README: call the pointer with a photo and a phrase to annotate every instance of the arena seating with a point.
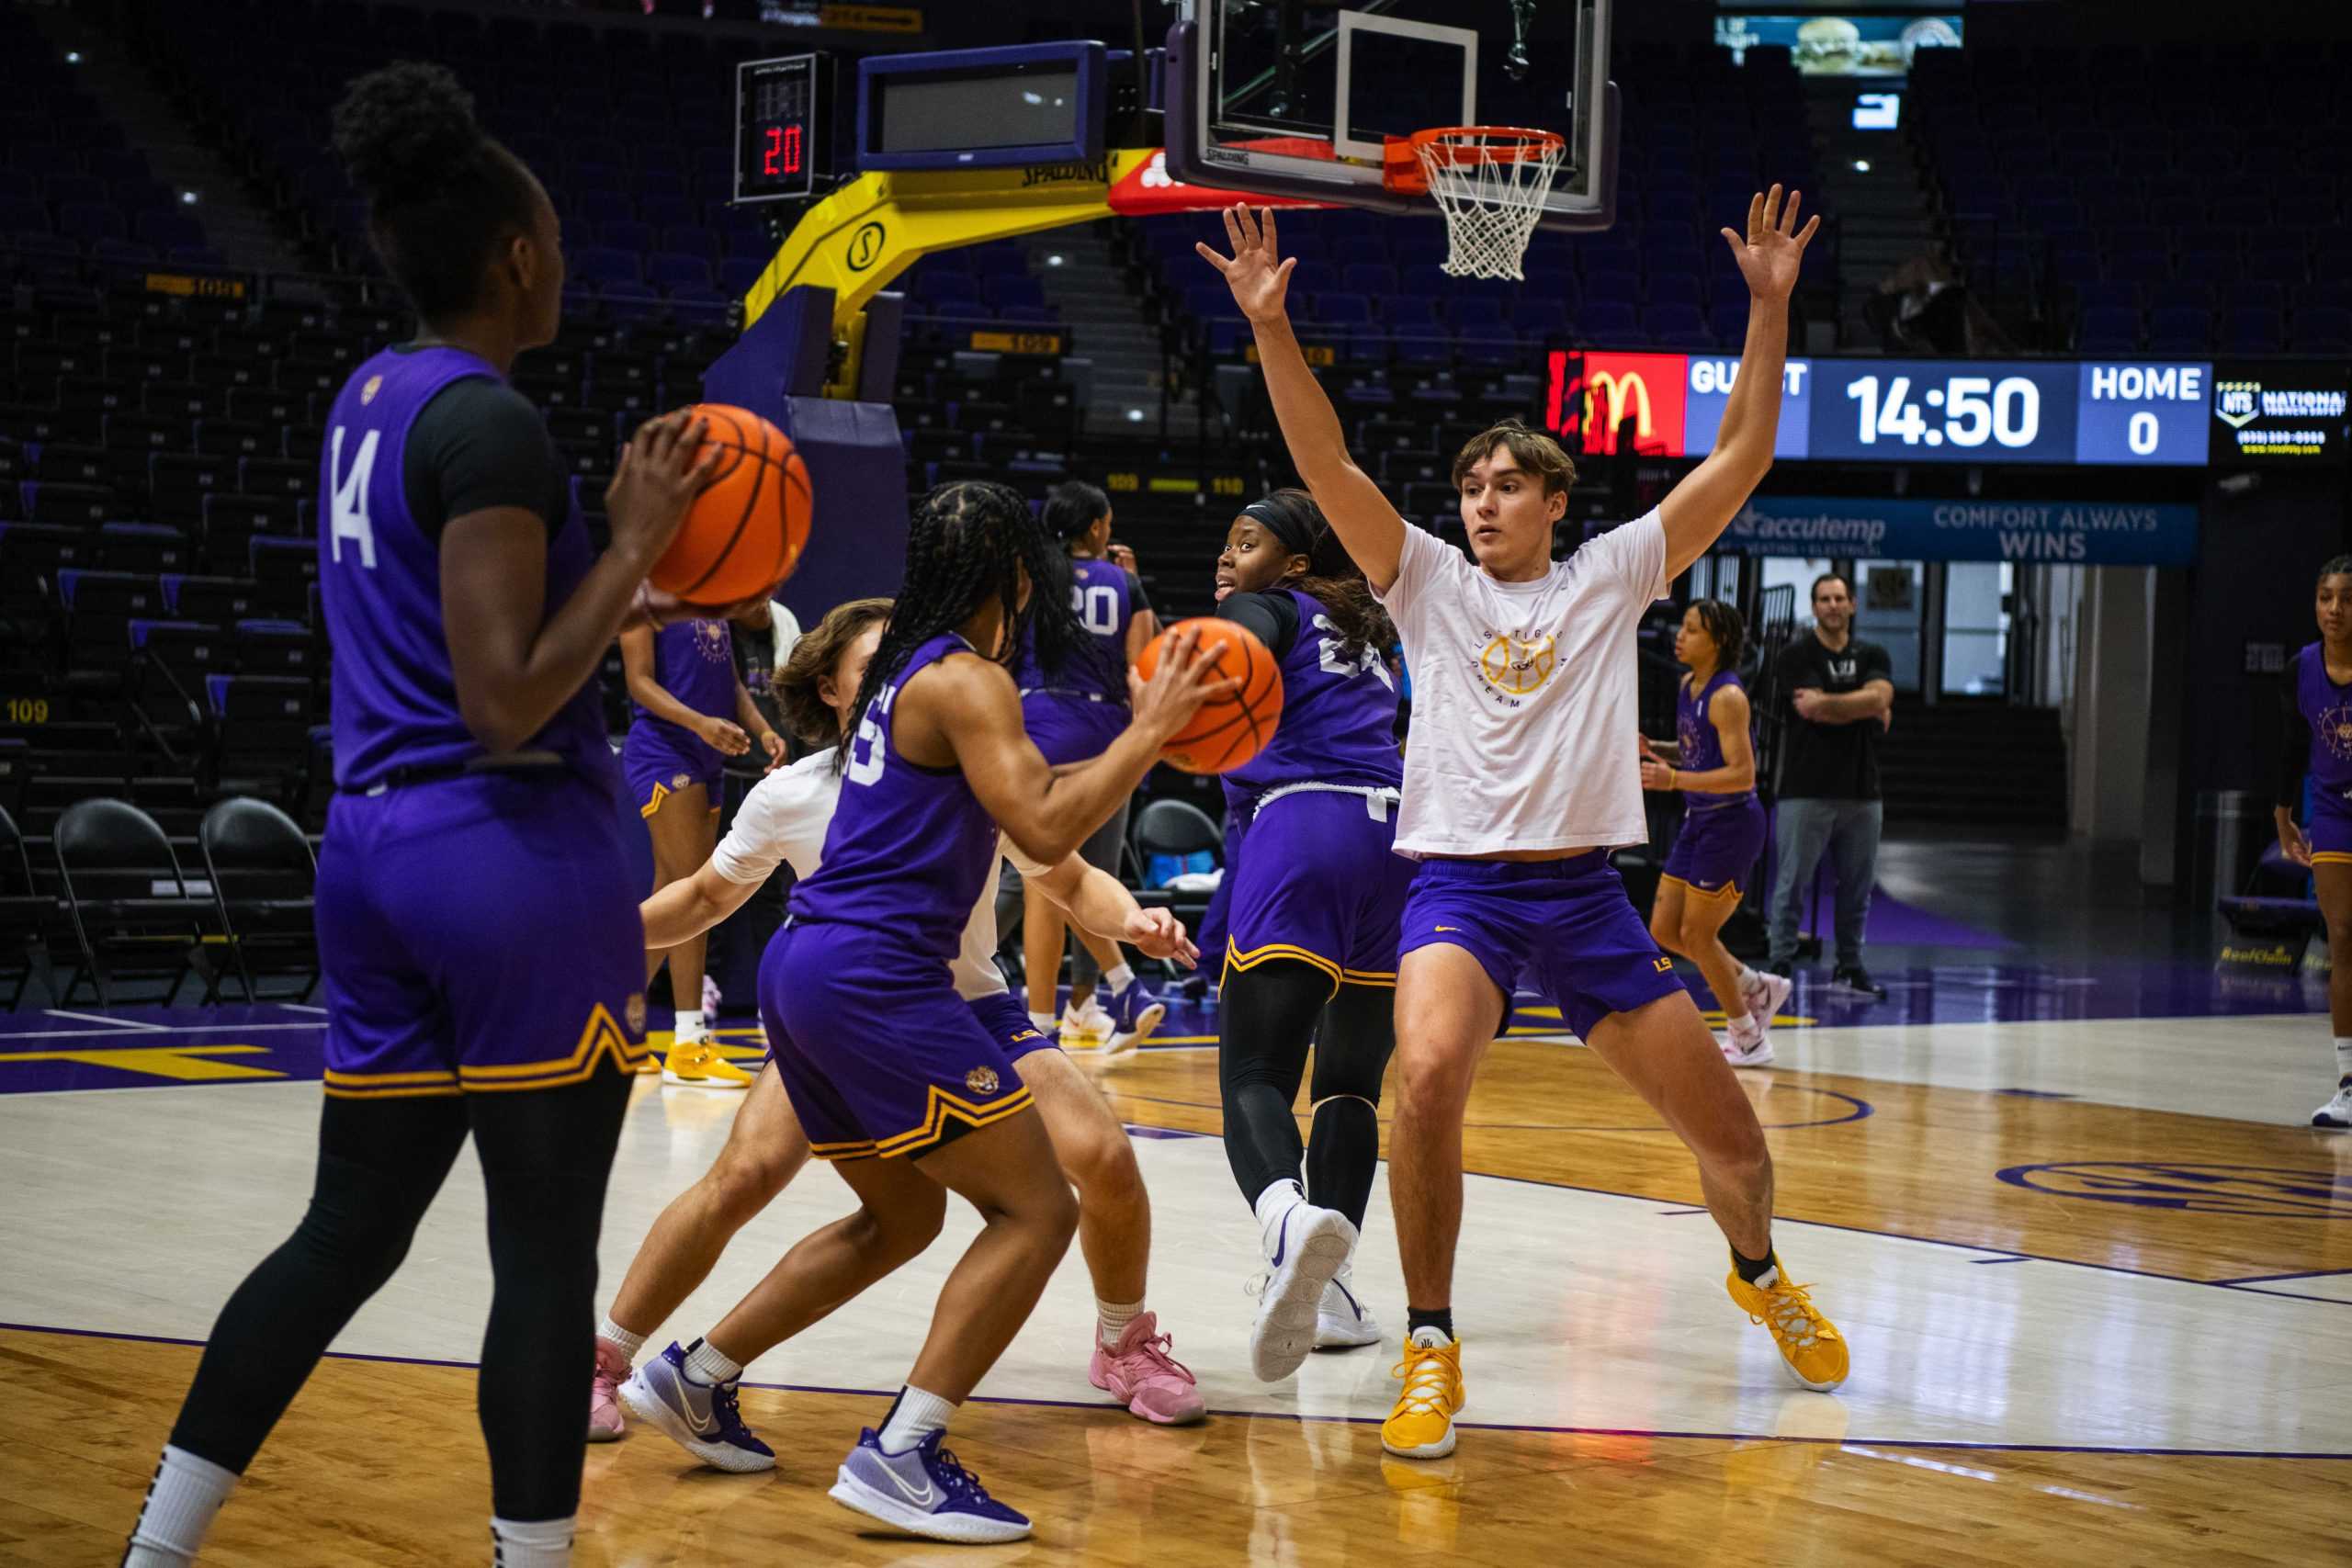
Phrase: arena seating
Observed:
(2132, 214)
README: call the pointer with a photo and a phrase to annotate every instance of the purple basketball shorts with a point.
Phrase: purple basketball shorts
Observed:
(477, 933)
(878, 1054)
(1567, 924)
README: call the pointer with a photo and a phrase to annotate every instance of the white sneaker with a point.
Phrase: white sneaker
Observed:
(1745, 1046)
(1087, 1027)
(711, 997)
(1341, 1323)
(1765, 997)
(2336, 1112)
(1310, 1247)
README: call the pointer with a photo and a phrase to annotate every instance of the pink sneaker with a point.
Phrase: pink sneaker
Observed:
(603, 1407)
(1140, 1370)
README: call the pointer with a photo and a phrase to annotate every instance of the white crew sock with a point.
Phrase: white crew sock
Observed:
(688, 1028)
(915, 1417)
(629, 1344)
(181, 1500)
(1748, 978)
(532, 1543)
(706, 1363)
(1113, 1318)
(2343, 1058)
(1045, 1024)
(1276, 1202)
(1119, 978)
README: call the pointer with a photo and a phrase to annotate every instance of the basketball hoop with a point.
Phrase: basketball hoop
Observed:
(1490, 182)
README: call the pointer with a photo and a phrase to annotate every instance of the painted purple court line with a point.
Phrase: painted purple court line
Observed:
(2273, 1279)
(1348, 1420)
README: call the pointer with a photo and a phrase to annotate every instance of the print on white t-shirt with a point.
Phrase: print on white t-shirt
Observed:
(1525, 696)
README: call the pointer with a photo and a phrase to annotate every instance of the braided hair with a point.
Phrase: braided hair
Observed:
(970, 540)
(1332, 577)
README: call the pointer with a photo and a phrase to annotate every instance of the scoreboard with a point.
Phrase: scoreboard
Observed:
(2142, 412)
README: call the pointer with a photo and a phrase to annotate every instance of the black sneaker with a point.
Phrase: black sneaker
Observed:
(1855, 978)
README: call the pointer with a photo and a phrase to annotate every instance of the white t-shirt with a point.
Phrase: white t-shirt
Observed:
(1525, 704)
(783, 819)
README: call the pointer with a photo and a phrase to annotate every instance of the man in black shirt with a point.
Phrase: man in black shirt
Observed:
(1840, 691)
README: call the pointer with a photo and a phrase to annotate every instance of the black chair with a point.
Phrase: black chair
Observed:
(1173, 827)
(132, 912)
(263, 876)
(27, 916)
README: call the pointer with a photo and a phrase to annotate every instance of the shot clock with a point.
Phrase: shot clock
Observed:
(778, 122)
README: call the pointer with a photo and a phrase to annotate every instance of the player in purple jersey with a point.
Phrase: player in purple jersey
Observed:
(890, 1075)
(1712, 761)
(690, 713)
(2319, 742)
(471, 842)
(1312, 923)
(1074, 707)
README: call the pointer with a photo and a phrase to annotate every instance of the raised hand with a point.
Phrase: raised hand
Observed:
(1773, 248)
(1256, 273)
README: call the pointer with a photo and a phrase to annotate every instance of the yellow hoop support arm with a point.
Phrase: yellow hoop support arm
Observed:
(859, 239)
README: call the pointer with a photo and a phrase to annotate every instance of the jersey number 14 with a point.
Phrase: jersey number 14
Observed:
(347, 511)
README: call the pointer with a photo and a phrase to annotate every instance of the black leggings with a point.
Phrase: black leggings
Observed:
(1269, 1013)
(545, 1157)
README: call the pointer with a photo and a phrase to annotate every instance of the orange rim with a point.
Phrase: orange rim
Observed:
(1402, 170)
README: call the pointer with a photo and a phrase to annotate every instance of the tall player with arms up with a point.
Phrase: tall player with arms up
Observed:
(1518, 779)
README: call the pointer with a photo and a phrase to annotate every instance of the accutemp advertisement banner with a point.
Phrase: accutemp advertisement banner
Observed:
(2087, 533)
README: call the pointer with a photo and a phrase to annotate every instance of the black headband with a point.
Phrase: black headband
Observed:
(1284, 524)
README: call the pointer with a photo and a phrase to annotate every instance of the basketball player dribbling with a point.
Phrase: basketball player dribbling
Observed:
(890, 1075)
(1518, 778)
(1712, 761)
(2319, 742)
(472, 839)
(689, 714)
(1312, 923)
(689, 1392)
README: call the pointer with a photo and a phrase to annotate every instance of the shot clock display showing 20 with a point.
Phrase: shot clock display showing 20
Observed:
(778, 117)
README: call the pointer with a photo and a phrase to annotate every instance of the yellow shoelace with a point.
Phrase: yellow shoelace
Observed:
(1427, 1382)
(1793, 1317)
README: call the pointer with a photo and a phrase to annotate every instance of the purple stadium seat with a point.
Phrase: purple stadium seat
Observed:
(2108, 329)
(2252, 329)
(671, 271)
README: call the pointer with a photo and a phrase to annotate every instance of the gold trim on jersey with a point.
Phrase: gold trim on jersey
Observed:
(944, 1108)
(1728, 890)
(1235, 958)
(601, 1036)
(2332, 857)
(390, 1085)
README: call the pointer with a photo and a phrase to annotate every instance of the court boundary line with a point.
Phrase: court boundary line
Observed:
(1107, 1406)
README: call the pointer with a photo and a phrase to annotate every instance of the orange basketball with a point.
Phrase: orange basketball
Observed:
(743, 535)
(1228, 731)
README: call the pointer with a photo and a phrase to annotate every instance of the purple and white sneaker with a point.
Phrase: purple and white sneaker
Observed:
(700, 1417)
(923, 1492)
(1135, 1014)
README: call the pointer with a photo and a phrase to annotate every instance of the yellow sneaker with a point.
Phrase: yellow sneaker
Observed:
(1421, 1426)
(699, 1064)
(1810, 1343)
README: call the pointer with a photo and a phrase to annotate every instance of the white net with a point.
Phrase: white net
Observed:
(1490, 184)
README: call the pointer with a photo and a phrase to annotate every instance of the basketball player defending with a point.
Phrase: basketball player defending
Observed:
(689, 1391)
(1520, 777)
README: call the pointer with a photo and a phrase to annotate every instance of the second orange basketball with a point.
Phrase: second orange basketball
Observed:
(1228, 731)
(743, 535)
